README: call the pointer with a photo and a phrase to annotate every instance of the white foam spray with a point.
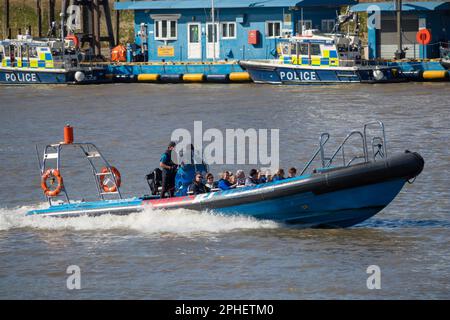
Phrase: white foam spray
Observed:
(179, 221)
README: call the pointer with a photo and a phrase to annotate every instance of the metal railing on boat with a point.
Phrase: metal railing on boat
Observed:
(378, 147)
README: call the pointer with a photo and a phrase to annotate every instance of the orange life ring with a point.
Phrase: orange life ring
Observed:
(423, 36)
(116, 174)
(55, 173)
(74, 38)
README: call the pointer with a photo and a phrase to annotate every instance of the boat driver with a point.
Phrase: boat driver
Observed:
(168, 171)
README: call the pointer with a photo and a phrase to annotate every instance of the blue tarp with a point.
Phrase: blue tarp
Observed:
(406, 6)
(220, 4)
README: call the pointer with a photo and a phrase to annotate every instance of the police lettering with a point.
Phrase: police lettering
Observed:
(298, 76)
(21, 77)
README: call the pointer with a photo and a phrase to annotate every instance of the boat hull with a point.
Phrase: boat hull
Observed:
(293, 74)
(23, 76)
(339, 197)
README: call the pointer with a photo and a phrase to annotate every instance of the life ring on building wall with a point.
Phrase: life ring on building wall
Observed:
(423, 36)
(74, 38)
(55, 174)
(117, 177)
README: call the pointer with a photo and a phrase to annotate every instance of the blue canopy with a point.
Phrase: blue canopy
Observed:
(406, 6)
(201, 4)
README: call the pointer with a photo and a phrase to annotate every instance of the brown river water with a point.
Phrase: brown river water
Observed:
(188, 255)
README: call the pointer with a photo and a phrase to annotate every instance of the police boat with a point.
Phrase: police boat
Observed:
(316, 58)
(343, 189)
(46, 61)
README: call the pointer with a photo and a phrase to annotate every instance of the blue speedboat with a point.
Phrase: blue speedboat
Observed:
(341, 191)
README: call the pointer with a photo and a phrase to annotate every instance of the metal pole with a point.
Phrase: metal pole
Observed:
(5, 18)
(39, 17)
(63, 22)
(117, 23)
(213, 30)
(63, 19)
(51, 15)
(400, 54)
(109, 26)
(96, 29)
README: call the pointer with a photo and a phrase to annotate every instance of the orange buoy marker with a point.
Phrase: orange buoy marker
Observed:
(54, 173)
(423, 36)
(68, 134)
(103, 182)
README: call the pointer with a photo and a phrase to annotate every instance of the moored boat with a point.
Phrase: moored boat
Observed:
(45, 61)
(337, 193)
(315, 58)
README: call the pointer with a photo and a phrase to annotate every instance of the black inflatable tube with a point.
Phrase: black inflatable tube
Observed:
(219, 78)
(404, 166)
(171, 78)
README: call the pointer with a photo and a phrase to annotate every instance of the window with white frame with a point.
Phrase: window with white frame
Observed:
(165, 29)
(228, 30)
(328, 25)
(273, 29)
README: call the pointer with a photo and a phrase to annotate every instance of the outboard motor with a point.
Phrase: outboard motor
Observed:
(154, 180)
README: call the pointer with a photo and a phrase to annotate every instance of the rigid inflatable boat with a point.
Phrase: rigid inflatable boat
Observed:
(341, 191)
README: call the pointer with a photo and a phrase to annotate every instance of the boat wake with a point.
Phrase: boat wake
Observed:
(179, 221)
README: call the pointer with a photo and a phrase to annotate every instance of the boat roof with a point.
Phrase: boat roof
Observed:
(406, 6)
(202, 4)
(31, 43)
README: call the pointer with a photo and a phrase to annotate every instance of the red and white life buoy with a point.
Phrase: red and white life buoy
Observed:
(74, 38)
(117, 177)
(54, 173)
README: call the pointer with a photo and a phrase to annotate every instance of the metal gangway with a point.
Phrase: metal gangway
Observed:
(376, 151)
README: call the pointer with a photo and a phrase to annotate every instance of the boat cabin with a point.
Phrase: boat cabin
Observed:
(25, 52)
(320, 50)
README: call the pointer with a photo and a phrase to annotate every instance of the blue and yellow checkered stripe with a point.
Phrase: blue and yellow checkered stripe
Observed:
(45, 61)
(329, 58)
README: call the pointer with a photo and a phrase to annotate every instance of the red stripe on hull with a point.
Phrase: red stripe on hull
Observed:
(169, 202)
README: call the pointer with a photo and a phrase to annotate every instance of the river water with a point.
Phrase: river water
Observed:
(187, 255)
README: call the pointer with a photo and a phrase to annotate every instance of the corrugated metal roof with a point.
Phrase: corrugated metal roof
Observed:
(406, 6)
(200, 4)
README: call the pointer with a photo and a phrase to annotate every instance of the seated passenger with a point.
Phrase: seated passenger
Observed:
(231, 177)
(252, 179)
(197, 186)
(292, 172)
(240, 178)
(263, 177)
(279, 175)
(268, 176)
(210, 183)
(224, 183)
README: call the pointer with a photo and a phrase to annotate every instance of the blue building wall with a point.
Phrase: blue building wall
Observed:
(231, 49)
(435, 13)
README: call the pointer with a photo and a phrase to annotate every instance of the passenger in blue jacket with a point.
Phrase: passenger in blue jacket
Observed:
(279, 175)
(224, 183)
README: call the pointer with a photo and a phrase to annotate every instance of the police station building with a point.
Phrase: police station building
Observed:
(191, 30)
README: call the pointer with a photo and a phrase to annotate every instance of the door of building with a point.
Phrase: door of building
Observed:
(194, 41)
(212, 41)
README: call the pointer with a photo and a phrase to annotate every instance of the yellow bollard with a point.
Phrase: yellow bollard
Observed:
(435, 75)
(240, 76)
(151, 77)
(194, 77)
